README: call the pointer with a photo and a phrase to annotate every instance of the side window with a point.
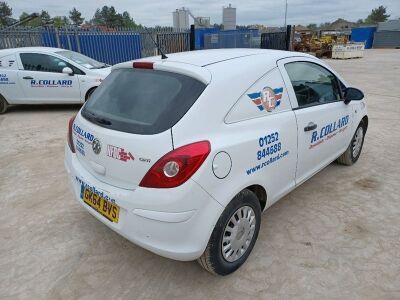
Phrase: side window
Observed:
(313, 84)
(45, 63)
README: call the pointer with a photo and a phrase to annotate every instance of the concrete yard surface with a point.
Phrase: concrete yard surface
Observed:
(337, 236)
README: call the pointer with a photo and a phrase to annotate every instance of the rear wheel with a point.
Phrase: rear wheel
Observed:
(352, 153)
(3, 105)
(234, 235)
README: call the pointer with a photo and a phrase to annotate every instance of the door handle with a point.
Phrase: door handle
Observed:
(27, 77)
(310, 126)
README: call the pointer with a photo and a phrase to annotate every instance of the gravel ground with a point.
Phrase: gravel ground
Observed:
(335, 237)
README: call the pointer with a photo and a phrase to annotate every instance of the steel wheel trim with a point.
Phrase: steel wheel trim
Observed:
(357, 141)
(238, 234)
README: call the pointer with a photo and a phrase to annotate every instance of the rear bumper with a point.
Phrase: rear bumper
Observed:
(174, 223)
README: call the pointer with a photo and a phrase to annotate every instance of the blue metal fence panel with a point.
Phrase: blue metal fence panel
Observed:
(49, 38)
(199, 36)
(111, 48)
(107, 47)
(248, 38)
(363, 34)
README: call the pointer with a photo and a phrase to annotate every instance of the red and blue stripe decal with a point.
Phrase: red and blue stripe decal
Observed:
(257, 100)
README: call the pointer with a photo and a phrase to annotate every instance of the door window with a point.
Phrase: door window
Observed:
(45, 63)
(313, 84)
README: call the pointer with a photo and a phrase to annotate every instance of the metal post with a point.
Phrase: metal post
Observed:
(67, 32)
(285, 13)
(57, 38)
(288, 36)
(192, 38)
(78, 43)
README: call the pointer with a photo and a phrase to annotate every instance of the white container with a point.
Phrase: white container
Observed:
(345, 51)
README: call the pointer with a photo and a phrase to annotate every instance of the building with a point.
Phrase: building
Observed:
(229, 17)
(180, 18)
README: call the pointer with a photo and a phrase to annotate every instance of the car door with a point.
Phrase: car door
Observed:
(9, 79)
(42, 80)
(324, 121)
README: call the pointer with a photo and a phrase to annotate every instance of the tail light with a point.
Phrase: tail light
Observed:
(69, 137)
(177, 166)
(142, 65)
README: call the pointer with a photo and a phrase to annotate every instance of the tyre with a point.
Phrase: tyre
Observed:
(234, 235)
(352, 153)
(3, 105)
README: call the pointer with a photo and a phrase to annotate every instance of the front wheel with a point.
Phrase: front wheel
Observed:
(352, 153)
(3, 105)
(234, 235)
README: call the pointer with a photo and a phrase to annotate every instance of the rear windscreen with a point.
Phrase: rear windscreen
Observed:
(142, 101)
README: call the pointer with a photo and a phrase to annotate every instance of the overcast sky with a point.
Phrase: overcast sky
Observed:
(270, 13)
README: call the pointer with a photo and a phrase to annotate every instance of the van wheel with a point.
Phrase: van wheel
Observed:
(234, 235)
(3, 105)
(352, 153)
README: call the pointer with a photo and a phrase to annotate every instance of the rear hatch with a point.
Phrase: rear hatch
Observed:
(125, 127)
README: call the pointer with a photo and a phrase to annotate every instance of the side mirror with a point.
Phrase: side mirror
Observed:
(352, 94)
(68, 70)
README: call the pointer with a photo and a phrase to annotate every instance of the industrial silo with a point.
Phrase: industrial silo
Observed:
(229, 17)
(180, 18)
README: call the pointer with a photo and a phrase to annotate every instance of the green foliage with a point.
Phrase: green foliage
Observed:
(60, 21)
(377, 15)
(312, 26)
(219, 26)
(76, 16)
(5, 14)
(109, 17)
(43, 18)
(325, 25)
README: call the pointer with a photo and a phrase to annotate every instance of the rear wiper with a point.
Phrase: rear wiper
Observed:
(98, 119)
(102, 121)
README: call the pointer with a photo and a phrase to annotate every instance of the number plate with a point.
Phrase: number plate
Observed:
(102, 206)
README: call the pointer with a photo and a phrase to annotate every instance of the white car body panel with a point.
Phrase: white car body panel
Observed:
(121, 173)
(177, 222)
(33, 87)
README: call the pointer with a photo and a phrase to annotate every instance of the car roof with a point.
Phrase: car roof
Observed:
(204, 58)
(5, 52)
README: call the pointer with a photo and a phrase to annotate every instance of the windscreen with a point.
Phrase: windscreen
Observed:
(142, 101)
(83, 60)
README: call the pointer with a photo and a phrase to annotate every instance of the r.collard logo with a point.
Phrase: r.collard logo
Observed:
(267, 99)
(96, 146)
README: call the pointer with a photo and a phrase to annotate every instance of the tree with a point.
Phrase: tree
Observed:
(76, 16)
(5, 14)
(377, 15)
(32, 23)
(108, 16)
(60, 21)
(312, 26)
(219, 26)
(324, 25)
(45, 17)
(127, 21)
